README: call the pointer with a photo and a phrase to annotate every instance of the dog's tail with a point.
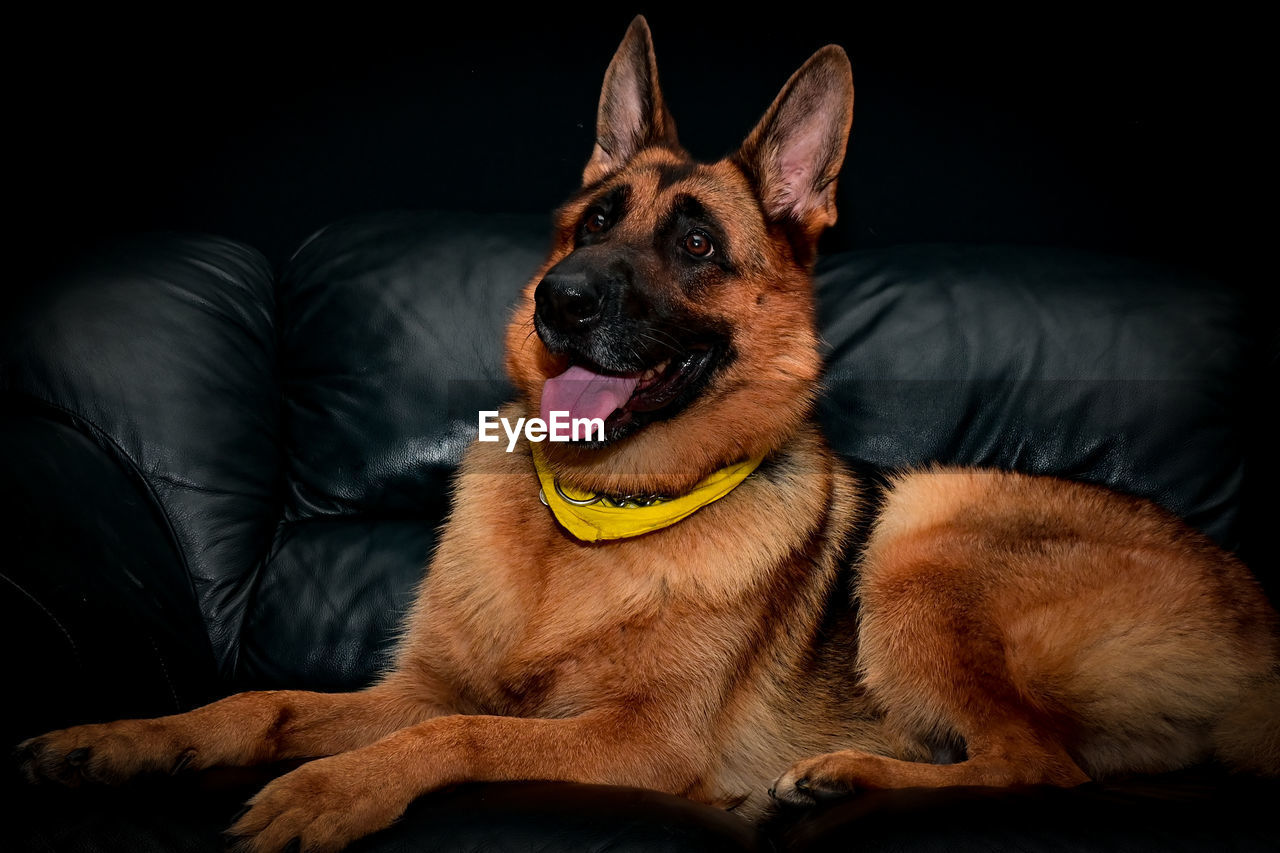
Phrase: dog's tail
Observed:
(1247, 738)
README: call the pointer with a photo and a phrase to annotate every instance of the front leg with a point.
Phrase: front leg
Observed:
(247, 728)
(1007, 761)
(329, 803)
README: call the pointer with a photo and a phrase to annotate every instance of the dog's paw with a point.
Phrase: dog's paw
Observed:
(321, 807)
(815, 780)
(108, 753)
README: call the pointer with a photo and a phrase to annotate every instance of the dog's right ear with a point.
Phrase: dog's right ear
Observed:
(632, 112)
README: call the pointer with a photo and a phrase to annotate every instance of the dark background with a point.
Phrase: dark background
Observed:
(1118, 131)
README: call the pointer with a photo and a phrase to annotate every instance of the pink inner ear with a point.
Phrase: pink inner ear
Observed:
(794, 180)
(626, 117)
(797, 165)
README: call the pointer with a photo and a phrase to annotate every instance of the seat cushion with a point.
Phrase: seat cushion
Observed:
(190, 813)
(1186, 812)
(1107, 369)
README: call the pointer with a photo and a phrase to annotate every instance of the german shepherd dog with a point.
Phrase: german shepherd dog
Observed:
(1054, 632)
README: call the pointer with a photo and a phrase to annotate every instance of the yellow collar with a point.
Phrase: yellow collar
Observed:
(591, 517)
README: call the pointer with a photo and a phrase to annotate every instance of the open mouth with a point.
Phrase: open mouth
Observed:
(628, 401)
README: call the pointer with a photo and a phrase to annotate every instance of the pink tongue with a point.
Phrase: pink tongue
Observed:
(584, 394)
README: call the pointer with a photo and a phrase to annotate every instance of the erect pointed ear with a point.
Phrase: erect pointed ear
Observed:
(795, 152)
(632, 113)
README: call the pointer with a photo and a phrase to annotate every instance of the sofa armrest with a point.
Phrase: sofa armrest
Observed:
(162, 348)
(96, 610)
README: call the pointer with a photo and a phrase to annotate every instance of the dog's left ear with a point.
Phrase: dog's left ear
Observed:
(795, 153)
(632, 112)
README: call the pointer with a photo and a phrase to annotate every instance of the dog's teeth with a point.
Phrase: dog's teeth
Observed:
(653, 372)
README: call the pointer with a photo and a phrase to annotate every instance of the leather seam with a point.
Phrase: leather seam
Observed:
(164, 669)
(105, 441)
(263, 562)
(52, 618)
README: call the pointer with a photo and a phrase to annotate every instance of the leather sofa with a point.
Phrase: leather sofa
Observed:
(223, 474)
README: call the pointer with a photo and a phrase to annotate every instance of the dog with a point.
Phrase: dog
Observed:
(702, 598)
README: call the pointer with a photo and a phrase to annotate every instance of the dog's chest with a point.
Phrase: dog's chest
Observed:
(551, 637)
(522, 620)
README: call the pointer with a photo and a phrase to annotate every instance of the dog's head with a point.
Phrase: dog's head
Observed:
(676, 302)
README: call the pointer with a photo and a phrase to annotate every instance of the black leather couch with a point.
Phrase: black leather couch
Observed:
(221, 475)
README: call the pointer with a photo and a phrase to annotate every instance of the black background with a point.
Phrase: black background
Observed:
(1120, 131)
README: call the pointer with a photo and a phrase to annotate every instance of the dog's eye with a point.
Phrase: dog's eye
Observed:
(698, 244)
(595, 222)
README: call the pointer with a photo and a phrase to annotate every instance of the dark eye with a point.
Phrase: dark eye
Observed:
(698, 244)
(595, 222)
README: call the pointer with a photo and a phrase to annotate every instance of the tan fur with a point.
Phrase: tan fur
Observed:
(1059, 631)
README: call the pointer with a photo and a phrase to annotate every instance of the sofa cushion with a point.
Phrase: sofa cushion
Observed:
(162, 350)
(1107, 369)
(390, 343)
(1101, 368)
(300, 440)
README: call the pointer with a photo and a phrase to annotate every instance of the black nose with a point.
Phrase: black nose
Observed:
(567, 301)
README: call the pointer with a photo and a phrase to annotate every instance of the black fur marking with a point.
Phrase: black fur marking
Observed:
(671, 174)
(873, 488)
(614, 206)
(687, 214)
(834, 646)
(590, 189)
